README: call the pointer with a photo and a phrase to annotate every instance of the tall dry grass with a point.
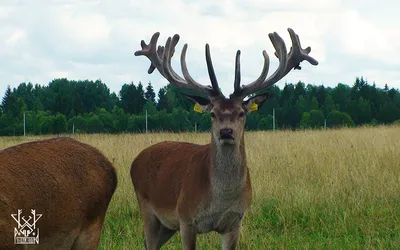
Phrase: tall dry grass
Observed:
(329, 189)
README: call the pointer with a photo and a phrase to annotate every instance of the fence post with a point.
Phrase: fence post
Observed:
(24, 124)
(273, 119)
(146, 120)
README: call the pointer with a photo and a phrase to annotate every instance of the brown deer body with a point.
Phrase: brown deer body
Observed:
(202, 188)
(68, 182)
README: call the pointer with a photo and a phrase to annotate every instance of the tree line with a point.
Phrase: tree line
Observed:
(89, 107)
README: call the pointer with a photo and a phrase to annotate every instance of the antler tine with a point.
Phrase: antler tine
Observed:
(236, 83)
(167, 56)
(212, 91)
(160, 59)
(160, 52)
(297, 54)
(260, 79)
(259, 84)
(154, 55)
(169, 72)
(211, 72)
(150, 52)
(286, 62)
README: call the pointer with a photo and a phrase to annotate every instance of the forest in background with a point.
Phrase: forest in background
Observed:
(89, 107)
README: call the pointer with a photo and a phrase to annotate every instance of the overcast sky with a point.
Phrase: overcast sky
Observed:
(87, 39)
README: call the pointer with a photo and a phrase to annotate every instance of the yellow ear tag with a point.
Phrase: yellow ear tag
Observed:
(254, 107)
(198, 108)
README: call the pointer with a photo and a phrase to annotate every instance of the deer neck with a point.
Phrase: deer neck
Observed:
(228, 167)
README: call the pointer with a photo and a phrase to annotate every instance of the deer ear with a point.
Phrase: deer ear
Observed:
(254, 103)
(201, 104)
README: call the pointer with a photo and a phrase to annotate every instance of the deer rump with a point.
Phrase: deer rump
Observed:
(70, 183)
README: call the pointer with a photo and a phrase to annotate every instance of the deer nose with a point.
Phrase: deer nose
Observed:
(226, 132)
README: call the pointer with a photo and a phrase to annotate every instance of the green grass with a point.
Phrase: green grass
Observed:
(330, 225)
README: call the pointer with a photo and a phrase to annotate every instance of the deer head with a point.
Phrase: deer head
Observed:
(228, 114)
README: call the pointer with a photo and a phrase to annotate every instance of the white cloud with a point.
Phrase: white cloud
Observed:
(15, 37)
(91, 39)
(363, 37)
(84, 29)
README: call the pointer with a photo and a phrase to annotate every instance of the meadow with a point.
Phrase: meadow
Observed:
(312, 189)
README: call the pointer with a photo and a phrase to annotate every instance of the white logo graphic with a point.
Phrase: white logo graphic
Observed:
(26, 232)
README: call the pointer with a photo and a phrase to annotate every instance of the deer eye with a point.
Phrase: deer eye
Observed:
(212, 114)
(241, 114)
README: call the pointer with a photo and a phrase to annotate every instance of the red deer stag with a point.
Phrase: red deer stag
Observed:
(202, 188)
(68, 183)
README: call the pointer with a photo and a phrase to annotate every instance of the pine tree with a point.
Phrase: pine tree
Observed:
(8, 103)
(162, 99)
(6, 96)
(150, 95)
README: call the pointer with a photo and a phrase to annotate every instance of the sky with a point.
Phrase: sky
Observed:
(93, 39)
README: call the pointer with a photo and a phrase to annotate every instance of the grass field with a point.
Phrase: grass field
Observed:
(333, 189)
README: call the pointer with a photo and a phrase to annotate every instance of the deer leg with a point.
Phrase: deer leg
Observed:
(89, 237)
(230, 239)
(151, 229)
(164, 235)
(188, 236)
(151, 225)
(155, 233)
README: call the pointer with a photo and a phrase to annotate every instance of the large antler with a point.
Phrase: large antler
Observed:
(287, 62)
(161, 60)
